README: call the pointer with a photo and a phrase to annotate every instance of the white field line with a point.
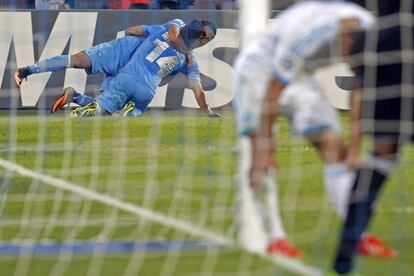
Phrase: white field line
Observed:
(308, 206)
(295, 266)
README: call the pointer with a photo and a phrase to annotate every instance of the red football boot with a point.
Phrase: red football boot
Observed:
(283, 247)
(372, 246)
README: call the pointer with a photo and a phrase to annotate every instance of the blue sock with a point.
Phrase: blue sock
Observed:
(82, 100)
(51, 64)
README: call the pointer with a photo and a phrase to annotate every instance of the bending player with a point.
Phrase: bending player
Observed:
(284, 59)
(133, 87)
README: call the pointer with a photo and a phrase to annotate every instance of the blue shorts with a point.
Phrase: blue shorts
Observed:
(110, 57)
(122, 89)
(105, 83)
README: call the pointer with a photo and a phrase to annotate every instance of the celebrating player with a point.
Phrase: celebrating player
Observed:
(109, 58)
(277, 71)
(133, 87)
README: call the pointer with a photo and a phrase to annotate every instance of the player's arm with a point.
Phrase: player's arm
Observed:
(178, 43)
(353, 156)
(263, 141)
(356, 48)
(201, 98)
(136, 31)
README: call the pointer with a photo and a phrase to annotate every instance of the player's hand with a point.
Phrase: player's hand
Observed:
(213, 114)
(189, 59)
(17, 78)
(260, 169)
(257, 177)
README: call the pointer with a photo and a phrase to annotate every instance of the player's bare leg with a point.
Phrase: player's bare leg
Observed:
(80, 61)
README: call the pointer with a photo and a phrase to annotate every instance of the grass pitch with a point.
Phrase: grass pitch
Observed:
(180, 164)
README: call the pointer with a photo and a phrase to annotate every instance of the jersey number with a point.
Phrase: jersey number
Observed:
(161, 47)
(166, 64)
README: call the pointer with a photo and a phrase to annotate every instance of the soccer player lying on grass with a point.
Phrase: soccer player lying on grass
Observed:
(110, 58)
(133, 88)
(276, 72)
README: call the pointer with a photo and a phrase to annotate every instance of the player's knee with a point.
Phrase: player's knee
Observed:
(80, 60)
(329, 145)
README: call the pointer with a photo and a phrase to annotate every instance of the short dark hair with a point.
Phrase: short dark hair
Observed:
(194, 29)
(210, 24)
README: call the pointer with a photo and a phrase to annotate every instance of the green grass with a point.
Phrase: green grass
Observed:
(181, 165)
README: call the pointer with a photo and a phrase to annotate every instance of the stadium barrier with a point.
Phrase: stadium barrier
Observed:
(30, 35)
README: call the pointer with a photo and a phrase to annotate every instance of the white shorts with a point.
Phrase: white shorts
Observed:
(301, 102)
(248, 104)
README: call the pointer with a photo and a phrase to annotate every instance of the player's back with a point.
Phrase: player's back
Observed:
(118, 52)
(155, 59)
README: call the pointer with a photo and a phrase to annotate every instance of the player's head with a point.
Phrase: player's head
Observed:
(348, 27)
(198, 33)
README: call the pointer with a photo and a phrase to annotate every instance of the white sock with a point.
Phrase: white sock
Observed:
(275, 224)
(338, 184)
(252, 234)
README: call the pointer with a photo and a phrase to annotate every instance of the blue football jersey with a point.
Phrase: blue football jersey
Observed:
(153, 29)
(110, 57)
(157, 58)
(128, 45)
